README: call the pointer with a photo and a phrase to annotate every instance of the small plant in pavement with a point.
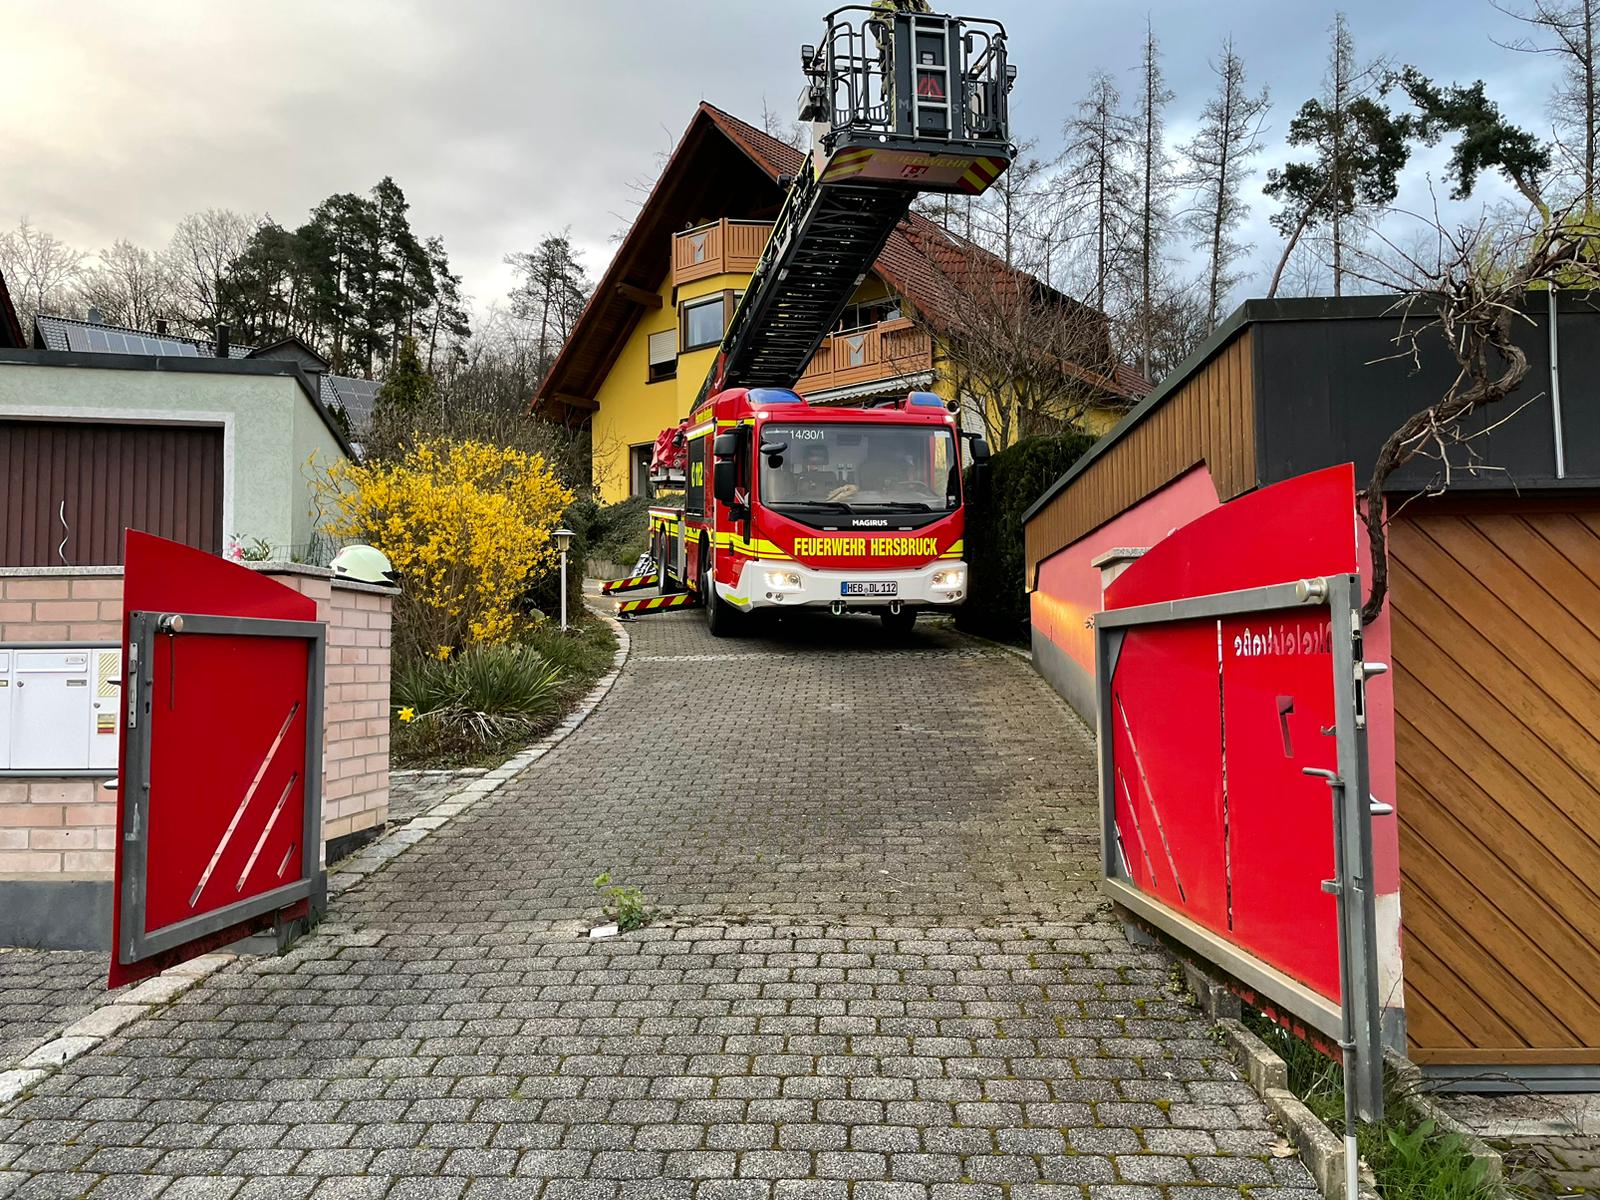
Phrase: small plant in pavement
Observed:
(623, 904)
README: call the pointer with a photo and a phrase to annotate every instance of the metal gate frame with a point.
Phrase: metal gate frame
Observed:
(1354, 1023)
(134, 943)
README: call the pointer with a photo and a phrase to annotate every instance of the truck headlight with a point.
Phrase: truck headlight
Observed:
(950, 579)
(779, 581)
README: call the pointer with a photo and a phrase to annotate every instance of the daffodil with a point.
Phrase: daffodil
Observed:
(408, 714)
(442, 653)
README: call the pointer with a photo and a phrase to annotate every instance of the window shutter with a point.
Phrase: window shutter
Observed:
(663, 347)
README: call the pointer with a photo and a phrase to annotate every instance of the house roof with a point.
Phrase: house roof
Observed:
(10, 327)
(695, 185)
(69, 335)
(355, 396)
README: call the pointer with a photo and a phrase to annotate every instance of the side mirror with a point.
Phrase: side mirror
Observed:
(726, 445)
(980, 450)
(771, 449)
(724, 479)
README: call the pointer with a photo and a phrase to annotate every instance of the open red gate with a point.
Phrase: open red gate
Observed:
(1230, 683)
(219, 796)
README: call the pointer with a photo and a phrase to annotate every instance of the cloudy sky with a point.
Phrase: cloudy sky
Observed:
(505, 120)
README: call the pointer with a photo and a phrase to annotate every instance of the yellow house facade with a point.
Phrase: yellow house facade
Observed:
(642, 349)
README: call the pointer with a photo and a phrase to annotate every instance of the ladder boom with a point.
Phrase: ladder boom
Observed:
(901, 103)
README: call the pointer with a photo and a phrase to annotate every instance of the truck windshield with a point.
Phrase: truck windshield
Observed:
(851, 468)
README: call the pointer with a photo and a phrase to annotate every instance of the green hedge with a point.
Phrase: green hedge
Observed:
(997, 597)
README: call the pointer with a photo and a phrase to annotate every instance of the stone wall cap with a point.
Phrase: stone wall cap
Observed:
(59, 572)
(1117, 554)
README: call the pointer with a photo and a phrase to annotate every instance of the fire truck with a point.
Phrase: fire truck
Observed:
(791, 505)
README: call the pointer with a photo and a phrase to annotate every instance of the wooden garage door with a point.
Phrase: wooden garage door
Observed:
(68, 489)
(1497, 699)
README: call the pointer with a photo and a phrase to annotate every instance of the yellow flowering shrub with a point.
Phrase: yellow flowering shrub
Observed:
(466, 524)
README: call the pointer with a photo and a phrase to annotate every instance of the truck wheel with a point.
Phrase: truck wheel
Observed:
(900, 623)
(720, 615)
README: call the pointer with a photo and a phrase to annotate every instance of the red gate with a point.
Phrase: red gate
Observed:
(219, 799)
(1230, 701)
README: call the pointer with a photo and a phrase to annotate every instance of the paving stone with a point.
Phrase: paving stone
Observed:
(857, 988)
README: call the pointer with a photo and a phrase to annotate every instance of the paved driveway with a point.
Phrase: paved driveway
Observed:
(879, 971)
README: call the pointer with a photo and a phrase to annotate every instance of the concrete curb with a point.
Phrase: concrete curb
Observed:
(1320, 1150)
(84, 1034)
(20, 1078)
(371, 858)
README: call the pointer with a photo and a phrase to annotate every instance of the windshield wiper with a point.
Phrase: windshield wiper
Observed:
(896, 505)
(828, 505)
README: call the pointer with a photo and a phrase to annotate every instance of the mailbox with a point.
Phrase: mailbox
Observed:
(59, 710)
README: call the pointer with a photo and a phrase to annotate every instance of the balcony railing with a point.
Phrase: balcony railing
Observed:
(720, 248)
(880, 351)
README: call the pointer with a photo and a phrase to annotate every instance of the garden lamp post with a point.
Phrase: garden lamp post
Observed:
(563, 537)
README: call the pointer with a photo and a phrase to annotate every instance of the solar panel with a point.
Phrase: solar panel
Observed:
(97, 339)
(78, 338)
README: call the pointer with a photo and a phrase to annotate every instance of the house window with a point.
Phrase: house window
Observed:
(703, 322)
(663, 355)
(639, 469)
(869, 313)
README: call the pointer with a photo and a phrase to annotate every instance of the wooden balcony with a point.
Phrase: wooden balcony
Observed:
(880, 351)
(720, 248)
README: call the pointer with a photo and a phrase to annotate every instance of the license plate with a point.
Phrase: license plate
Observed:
(870, 588)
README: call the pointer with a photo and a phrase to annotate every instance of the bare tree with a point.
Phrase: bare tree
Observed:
(1219, 163)
(550, 293)
(1010, 219)
(129, 285)
(1569, 31)
(1028, 358)
(786, 130)
(1100, 183)
(204, 247)
(1155, 188)
(42, 272)
(1470, 296)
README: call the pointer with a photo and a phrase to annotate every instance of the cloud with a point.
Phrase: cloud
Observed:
(507, 120)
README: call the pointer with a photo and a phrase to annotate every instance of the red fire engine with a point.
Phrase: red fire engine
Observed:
(789, 504)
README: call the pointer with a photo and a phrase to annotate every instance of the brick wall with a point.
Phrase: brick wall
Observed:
(65, 828)
(355, 766)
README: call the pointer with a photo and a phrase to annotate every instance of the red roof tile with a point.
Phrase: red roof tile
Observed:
(918, 261)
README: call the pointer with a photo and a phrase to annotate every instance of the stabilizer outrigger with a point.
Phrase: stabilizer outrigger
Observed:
(648, 573)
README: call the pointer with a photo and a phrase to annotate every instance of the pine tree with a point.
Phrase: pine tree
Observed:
(551, 291)
(1359, 148)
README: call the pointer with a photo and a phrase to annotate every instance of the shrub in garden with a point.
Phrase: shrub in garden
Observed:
(997, 595)
(480, 701)
(466, 524)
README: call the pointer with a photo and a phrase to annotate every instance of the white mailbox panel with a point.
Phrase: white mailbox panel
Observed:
(59, 708)
(5, 708)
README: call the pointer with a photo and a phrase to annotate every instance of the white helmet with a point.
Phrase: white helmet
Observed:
(367, 564)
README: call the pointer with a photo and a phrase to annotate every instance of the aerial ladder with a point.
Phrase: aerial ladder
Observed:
(899, 103)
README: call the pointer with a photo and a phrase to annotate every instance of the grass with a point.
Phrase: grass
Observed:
(480, 706)
(1409, 1157)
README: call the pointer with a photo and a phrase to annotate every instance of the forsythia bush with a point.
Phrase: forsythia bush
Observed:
(467, 525)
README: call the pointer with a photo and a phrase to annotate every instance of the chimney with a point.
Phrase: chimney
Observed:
(222, 340)
(161, 325)
(95, 318)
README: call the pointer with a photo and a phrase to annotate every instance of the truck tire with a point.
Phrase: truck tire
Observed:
(721, 617)
(899, 623)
